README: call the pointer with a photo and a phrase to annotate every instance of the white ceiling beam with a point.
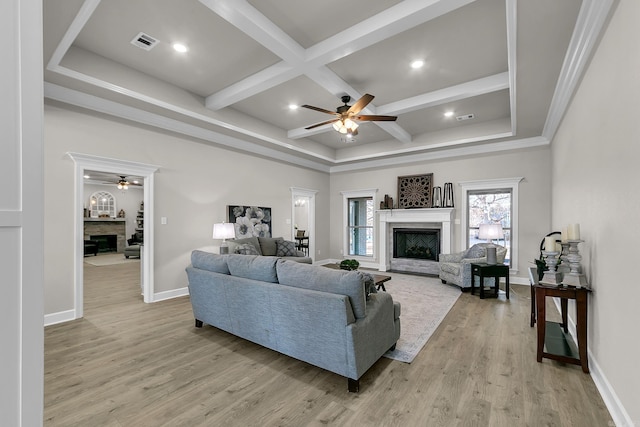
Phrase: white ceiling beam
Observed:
(394, 20)
(464, 90)
(250, 21)
(252, 85)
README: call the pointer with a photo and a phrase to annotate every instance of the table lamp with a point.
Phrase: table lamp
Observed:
(224, 230)
(491, 232)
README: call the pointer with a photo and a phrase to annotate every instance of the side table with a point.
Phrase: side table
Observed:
(554, 336)
(497, 271)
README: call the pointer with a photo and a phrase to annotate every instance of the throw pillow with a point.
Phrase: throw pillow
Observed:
(475, 251)
(247, 249)
(286, 248)
(369, 284)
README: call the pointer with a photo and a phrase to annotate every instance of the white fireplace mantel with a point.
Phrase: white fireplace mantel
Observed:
(387, 217)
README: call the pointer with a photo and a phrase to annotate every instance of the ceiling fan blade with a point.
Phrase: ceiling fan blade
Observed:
(322, 110)
(360, 104)
(320, 124)
(374, 118)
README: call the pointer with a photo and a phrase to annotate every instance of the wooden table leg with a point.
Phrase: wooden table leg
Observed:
(506, 284)
(533, 306)
(581, 329)
(541, 321)
(481, 286)
(563, 310)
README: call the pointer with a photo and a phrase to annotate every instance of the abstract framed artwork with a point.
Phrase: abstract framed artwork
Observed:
(250, 221)
(414, 191)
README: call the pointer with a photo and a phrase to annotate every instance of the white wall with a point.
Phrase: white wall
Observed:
(534, 207)
(193, 187)
(595, 156)
(21, 248)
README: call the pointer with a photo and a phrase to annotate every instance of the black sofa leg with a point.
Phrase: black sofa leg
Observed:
(354, 385)
(199, 323)
(393, 347)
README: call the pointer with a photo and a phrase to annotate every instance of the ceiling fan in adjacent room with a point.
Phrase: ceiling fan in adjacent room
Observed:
(123, 183)
(347, 115)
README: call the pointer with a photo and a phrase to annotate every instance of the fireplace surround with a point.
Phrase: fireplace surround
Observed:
(438, 219)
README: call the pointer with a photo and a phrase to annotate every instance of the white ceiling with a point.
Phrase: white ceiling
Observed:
(512, 64)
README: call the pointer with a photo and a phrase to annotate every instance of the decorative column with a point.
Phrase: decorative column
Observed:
(551, 276)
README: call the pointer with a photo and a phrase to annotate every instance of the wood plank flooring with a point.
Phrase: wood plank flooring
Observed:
(133, 364)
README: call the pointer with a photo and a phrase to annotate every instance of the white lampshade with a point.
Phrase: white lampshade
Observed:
(490, 232)
(224, 230)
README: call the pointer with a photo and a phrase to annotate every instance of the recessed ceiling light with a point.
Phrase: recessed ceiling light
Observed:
(178, 47)
(418, 63)
(86, 177)
(293, 107)
(448, 114)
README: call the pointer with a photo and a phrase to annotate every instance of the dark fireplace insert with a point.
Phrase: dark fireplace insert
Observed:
(416, 243)
(106, 242)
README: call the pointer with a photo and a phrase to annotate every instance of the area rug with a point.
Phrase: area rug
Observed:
(425, 302)
(109, 259)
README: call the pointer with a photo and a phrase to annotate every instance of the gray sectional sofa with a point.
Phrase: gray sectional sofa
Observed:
(315, 314)
(268, 246)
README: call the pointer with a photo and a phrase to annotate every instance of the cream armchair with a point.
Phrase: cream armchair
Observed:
(456, 268)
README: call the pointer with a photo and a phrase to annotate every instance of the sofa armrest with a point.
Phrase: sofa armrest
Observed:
(450, 257)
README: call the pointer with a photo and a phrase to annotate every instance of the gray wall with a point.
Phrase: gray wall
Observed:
(595, 173)
(534, 207)
(193, 187)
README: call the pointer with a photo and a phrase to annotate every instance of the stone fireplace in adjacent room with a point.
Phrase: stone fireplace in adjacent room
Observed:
(410, 240)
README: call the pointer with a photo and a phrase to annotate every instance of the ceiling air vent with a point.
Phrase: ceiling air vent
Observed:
(144, 41)
(465, 117)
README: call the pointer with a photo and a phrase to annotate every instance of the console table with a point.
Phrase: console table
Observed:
(554, 337)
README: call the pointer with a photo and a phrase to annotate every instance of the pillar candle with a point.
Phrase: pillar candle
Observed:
(564, 236)
(550, 244)
(574, 232)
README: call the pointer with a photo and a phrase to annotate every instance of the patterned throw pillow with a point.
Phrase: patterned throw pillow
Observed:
(286, 248)
(247, 249)
(475, 251)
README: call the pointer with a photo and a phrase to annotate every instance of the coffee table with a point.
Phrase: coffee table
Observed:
(378, 279)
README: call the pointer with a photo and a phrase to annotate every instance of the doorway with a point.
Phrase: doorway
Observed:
(303, 219)
(85, 162)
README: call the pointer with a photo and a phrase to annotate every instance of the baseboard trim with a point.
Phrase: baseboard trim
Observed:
(60, 317)
(174, 293)
(617, 411)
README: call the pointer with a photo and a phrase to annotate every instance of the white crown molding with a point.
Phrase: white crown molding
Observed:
(591, 19)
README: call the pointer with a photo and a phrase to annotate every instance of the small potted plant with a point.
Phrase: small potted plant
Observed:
(349, 264)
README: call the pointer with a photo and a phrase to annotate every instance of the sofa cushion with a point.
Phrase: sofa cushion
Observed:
(318, 278)
(208, 261)
(247, 249)
(286, 248)
(268, 245)
(254, 267)
(233, 244)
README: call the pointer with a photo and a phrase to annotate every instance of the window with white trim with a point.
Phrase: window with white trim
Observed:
(496, 201)
(359, 219)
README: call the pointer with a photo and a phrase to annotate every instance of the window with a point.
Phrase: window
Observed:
(493, 200)
(359, 215)
(102, 203)
(490, 207)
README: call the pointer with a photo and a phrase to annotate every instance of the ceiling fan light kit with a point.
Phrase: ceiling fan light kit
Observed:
(345, 123)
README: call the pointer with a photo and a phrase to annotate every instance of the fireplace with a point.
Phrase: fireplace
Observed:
(437, 222)
(106, 242)
(416, 243)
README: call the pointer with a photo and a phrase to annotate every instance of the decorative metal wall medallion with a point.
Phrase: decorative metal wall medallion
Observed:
(414, 191)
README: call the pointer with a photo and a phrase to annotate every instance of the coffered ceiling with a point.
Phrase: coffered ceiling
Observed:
(510, 65)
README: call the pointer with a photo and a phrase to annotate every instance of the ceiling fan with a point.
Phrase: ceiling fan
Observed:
(347, 115)
(123, 183)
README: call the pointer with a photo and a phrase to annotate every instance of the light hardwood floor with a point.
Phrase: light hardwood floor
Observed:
(133, 364)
